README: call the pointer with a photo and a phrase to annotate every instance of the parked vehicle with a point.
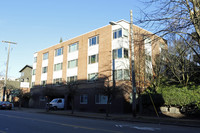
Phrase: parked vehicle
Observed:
(6, 105)
(57, 103)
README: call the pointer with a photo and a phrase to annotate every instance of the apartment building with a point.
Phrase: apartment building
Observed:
(93, 56)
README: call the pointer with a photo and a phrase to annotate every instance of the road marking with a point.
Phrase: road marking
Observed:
(63, 124)
(139, 128)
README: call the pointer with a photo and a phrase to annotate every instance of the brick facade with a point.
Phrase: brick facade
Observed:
(104, 64)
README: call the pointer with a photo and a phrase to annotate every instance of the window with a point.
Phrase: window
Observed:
(83, 99)
(117, 33)
(33, 84)
(59, 51)
(117, 53)
(118, 75)
(43, 82)
(72, 79)
(57, 81)
(120, 53)
(33, 71)
(45, 56)
(35, 60)
(92, 76)
(73, 47)
(122, 74)
(101, 99)
(94, 41)
(58, 67)
(93, 59)
(73, 63)
(125, 53)
(126, 74)
(44, 69)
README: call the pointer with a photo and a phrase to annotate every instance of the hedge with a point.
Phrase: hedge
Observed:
(180, 96)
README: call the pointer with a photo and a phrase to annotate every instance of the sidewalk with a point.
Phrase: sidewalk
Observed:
(118, 117)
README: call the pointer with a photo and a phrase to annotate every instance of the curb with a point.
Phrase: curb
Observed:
(176, 122)
(141, 119)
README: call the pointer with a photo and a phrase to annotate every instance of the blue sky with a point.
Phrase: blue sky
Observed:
(39, 24)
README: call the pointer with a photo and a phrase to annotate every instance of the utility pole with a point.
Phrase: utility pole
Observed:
(132, 63)
(132, 68)
(5, 83)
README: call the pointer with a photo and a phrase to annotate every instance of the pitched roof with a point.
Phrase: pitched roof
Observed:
(25, 67)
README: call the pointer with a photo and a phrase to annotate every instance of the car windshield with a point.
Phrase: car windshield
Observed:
(54, 100)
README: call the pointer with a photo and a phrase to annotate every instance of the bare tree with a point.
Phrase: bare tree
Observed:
(71, 91)
(177, 18)
(180, 64)
(109, 90)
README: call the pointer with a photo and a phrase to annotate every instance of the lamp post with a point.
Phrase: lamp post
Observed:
(132, 62)
(5, 83)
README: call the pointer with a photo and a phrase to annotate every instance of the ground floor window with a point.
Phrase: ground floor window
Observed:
(92, 76)
(101, 99)
(57, 81)
(72, 79)
(83, 99)
(43, 83)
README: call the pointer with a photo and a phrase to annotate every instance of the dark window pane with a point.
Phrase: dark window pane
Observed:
(120, 33)
(125, 53)
(115, 35)
(120, 53)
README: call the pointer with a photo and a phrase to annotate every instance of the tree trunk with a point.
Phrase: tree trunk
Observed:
(107, 109)
(72, 106)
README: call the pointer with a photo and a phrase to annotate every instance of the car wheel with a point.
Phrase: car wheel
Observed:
(55, 108)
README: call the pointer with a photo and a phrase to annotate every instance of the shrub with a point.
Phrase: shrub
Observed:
(175, 95)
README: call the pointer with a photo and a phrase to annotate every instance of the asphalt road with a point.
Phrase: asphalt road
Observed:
(22, 122)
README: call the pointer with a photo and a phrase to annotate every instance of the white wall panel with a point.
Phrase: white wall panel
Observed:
(121, 64)
(33, 78)
(57, 74)
(58, 59)
(44, 76)
(44, 63)
(72, 72)
(72, 55)
(93, 68)
(92, 50)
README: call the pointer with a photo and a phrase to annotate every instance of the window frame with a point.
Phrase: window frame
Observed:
(45, 56)
(43, 83)
(70, 46)
(123, 72)
(100, 101)
(74, 79)
(55, 67)
(92, 79)
(96, 60)
(119, 53)
(59, 81)
(117, 33)
(94, 40)
(58, 53)
(35, 60)
(69, 64)
(43, 69)
(34, 72)
(84, 99)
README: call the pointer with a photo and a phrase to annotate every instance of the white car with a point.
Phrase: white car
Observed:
(57, 103)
